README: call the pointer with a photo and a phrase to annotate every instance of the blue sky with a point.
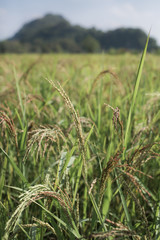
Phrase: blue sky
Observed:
(102, 14)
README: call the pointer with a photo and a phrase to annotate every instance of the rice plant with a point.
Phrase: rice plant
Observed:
(79, 147)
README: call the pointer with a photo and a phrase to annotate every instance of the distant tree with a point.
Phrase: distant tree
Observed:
(128, 38)
(152, 46)
(13, 47)
(90, 44)
(69, 45)
(2, 47)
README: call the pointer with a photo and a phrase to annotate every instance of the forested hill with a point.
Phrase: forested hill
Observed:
(53, 33)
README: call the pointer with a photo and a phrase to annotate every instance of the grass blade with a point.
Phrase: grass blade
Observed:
(78, 179)
(97, 211)
(128, 217)
(67, 160)
(157, 227)
(16, 169)
(28, 237)
(139, 73)
(107, 199)
(19, 95)
(2, 178)
(74, 230)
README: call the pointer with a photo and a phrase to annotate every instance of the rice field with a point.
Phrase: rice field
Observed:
(79, 147)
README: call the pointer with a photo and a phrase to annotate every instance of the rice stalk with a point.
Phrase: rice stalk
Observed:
(48, 135)
(34, 194)
(115, 233)
(44, 224)
(102, 74)
(140, 210)
(116, 119)
(8, 123)
(77, 123)
(20, 97)
(106, 173)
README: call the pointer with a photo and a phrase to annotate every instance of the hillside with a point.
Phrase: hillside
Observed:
(53, 33)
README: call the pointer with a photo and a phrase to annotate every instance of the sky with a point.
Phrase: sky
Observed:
(102, 14)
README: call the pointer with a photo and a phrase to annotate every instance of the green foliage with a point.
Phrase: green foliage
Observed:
(129, 38)
(90, 44)
(63, 174)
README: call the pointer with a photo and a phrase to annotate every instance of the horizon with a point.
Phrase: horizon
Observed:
(103, 15)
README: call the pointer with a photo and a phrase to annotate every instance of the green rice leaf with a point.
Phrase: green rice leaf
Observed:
(107, 198)
(135, 92)
(16, 169)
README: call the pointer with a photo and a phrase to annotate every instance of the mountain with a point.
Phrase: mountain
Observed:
(53, 33)
(32, 29)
